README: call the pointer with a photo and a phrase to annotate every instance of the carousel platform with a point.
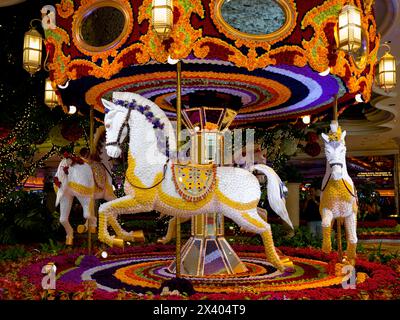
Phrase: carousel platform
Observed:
(139, 273)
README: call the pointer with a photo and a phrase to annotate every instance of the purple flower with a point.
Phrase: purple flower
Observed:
(89, 261)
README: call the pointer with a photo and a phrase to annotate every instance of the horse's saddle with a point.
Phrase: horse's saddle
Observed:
(99, 174)
(194, 181)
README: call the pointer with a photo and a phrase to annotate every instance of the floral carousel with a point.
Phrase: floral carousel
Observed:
(174, 94)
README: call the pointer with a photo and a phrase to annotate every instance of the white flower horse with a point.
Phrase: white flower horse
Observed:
(149, 183)
(87, 180)
(338, 197)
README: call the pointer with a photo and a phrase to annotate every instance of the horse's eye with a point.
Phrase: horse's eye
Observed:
(108, 125)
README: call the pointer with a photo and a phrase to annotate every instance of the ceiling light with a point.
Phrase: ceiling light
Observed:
(306, 119)
(325, 73)
(359, 98)
(172, 61)
(71, 110)
(64, 86)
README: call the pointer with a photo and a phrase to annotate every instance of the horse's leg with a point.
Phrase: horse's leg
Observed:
(87, 203)
(108, 192)
(65, 208)
(107, 215)
(119, 231)
(351, 235)
(251, 221)
(263, 213)
(327, 217)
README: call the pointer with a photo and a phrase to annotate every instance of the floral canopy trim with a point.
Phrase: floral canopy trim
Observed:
(196, 32)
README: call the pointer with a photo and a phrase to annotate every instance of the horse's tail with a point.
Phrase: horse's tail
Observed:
(276, 192)
(61, 179)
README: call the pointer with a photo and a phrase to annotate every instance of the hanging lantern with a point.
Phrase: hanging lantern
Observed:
(50, 95)
(387, 71)
(162, 17)
(349, 35)
(32, 52)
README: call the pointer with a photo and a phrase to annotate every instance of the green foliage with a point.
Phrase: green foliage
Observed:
(361, 248)
(379, 256)
(274, 139)
(302, 237)
(25, 218)
(283, 236)
(139, 224)
(14, 253)
(52, 247)
(378, 229)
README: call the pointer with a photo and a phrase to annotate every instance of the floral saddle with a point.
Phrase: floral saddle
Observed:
(194, 181)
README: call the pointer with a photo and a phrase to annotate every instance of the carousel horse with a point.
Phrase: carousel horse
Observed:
(338, 197)
(240, 160)
(156, 182)
(87, 180)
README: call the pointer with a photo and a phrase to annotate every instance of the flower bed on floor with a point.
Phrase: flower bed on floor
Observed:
(384, 223)
(22, 279)
(382, 229)
(379, 235)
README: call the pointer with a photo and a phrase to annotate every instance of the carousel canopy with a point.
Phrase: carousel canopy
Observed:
(266, 59)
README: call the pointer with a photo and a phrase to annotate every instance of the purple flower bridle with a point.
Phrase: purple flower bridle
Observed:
(145, 110)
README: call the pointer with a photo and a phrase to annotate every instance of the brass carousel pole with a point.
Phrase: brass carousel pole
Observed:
(178, 135)
(91, 144)
(339, 221)
(335, 113)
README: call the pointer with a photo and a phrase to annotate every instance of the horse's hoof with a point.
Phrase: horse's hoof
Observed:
(162, 241)
(81, 228)
(93, 229)
(138, 236)
(326, 250)
(287, 263)
(349, 261)
(69, 241)
(118, 243)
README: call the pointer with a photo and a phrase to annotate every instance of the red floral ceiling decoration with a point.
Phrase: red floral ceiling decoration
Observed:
(309, 40)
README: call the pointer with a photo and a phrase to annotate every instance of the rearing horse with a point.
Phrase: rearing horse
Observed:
(338, 197)
(149, 183)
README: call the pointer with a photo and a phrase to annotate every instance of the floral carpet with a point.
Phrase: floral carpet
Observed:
(137, 272)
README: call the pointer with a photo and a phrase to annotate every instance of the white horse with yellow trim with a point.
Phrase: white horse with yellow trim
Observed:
(338, 197)
(87, 180)
(149, 183)
(260, 157)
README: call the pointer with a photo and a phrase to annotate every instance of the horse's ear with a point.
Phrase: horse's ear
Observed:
(325, 137)
(343, 135)
(108, 105)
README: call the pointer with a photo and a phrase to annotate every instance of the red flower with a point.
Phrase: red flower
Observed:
(385, 223)
(57, 182)
(312, 137)
(65, 169)
(313, 149)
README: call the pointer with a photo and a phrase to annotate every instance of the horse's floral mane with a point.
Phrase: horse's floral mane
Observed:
(158, 125)
(145, 110)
